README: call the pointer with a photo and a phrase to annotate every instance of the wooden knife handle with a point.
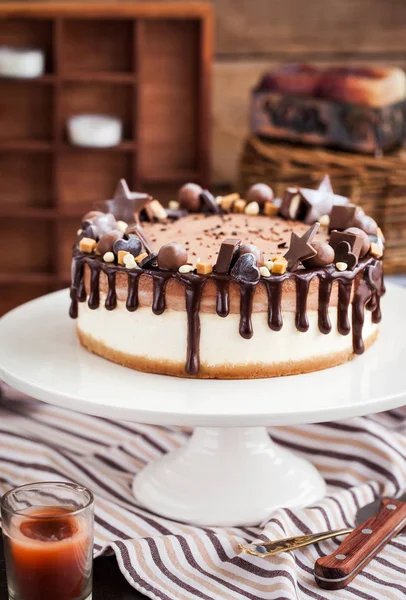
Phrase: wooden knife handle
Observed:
(335, 571)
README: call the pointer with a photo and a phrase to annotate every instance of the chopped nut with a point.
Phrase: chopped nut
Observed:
(121, 255)
(269, 264)
(87, 245)
(379, 233)
(174, 205)
(227, 202)
(376, 250)
(186, 269)
(204, 268)
(157, 210)
(324, 220)
(140, 257)
(252, 208)
(270, 209)
(121, 226)
(108, 257)
(79, 231)
(239, 206)
(130, 261)
(264, 271)
(341, 266)
(279, 266)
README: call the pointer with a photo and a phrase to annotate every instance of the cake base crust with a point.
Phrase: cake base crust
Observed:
(226, 371)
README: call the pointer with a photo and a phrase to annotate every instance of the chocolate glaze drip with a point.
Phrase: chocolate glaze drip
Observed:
(111, 300)
(193, 289)
(132, 296)
(222, 295)
(365, 282)
(324, 322)
(302, 291)
(77, 290)
(94, 297)
(344, 296)
(247, 291)
(274, 291)
(160, 281)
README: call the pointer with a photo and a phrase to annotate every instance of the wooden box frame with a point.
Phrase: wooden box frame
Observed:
(149, 64)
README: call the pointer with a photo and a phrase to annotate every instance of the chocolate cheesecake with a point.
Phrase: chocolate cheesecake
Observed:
(229, 287)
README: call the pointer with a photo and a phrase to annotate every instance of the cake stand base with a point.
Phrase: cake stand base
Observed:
(230, 472)
(227, 476)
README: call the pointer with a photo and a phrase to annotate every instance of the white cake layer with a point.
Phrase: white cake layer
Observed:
(164, 337)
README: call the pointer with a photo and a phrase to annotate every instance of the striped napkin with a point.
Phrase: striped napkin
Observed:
(359, 458)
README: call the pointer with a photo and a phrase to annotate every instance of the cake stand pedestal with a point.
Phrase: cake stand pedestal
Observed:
(230, 472)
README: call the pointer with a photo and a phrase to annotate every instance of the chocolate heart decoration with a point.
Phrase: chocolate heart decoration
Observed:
(245, 269)
(343, 254)
(132, 245)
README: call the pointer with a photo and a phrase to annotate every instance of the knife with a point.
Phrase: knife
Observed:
(337, 570)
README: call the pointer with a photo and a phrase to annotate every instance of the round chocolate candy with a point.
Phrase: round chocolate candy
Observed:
(366, 242)
(259, 192)
(189, 197)
(251, 249)
(324, 256)
(106, 242)
(365, 223)
(172, 256)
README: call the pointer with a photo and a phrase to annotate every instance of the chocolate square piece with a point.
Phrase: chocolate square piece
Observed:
(290, 204)
(355, 241)
(341, 216)
(227, 251)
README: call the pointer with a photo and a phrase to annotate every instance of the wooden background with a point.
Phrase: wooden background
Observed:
(252, 35)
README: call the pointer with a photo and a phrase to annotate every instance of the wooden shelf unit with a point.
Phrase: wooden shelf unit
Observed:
(149, 64)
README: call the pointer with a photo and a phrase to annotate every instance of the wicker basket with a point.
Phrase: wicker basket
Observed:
(377, 184)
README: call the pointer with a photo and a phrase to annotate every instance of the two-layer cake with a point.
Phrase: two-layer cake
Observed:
(228, 287)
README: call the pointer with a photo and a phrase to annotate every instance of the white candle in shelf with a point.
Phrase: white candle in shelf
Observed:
(21, 63)
(94, 131)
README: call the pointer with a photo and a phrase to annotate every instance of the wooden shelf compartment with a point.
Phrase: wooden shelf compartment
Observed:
(25, 145)
(91, 46)
(28, 246)
(168, 103)
(148, 63)
(32, 33)
(94, 97)
(26, 181)
(26, 110)
(91, 175)
(99, 77)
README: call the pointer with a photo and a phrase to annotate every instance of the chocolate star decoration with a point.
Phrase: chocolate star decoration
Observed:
(300, 248)
(125, 205)
(325, 185)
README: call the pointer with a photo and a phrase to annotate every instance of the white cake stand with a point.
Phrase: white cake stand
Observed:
(230, 472)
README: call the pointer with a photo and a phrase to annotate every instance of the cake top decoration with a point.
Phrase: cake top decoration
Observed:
(126, 205)
(300, 247)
